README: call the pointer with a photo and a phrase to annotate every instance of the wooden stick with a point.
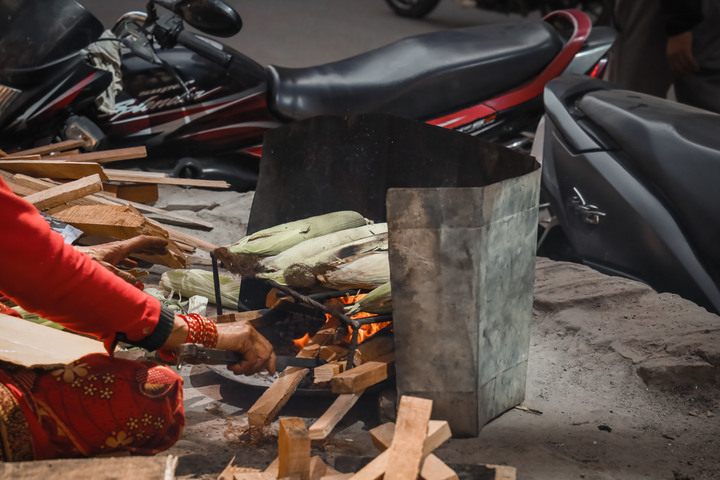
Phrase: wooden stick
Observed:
(406, 449)
(332, 416)
(106, 156)
(52, 148)
(128, 176)
(364, 376)
(52, 197)
(266, 408)
(277, 395)
(53, 168)
(293, 448)
(432, 469)
(324, 373)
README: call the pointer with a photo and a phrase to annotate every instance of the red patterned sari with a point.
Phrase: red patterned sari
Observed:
(95, 405)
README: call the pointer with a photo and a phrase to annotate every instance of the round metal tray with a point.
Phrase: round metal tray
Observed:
(264, 380)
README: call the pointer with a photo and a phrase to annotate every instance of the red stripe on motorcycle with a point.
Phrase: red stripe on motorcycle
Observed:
(582, 26)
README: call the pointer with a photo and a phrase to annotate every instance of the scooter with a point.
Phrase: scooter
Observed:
(201, 108)
(632, 181)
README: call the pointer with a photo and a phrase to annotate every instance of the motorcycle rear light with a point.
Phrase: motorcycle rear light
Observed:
(599, 70)
(7, 96)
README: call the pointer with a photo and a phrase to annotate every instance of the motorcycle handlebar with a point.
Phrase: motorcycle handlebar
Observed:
(201, 47)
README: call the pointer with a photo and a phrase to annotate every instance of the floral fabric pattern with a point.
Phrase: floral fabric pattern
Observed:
(99, 405)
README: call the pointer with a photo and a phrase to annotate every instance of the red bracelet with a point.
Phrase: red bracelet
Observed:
(200, 330)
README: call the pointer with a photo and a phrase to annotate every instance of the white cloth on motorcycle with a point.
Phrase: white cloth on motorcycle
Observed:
(105, 54)
(420, 76)
(676, 148)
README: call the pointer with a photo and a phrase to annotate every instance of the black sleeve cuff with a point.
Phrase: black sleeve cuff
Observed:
(158, 336)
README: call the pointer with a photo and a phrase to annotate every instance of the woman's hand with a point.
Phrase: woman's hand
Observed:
(109, 255)
(241, 337)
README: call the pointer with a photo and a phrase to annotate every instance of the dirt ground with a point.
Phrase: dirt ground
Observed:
(622, 384)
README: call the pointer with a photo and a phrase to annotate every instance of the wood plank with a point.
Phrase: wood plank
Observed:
(266, 408)
(364, 376)
(317, 469)
(293, 448)
(337, 476)
(106, 156)
(52, 197)
(161, 467)
(53, 168)
(432, 469)
(253, 476)
(30, 344)
(51, 148)
(374, 347)
(437, 433)
(325, 372)
(129, 176)
(406, 449)
(121, 222)
(332, 416)
(140, 193)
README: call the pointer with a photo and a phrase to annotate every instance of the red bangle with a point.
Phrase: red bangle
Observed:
(200, 330)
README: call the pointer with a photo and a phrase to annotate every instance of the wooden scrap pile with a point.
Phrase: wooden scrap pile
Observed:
(106, 204)
(406, 451)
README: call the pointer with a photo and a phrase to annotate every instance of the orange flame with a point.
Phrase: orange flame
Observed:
(302, 341)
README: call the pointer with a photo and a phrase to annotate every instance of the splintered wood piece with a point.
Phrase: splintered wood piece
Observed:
(136, 192)
(325, 372)
(293, 448)
(433, 468)
(266, 408)
(51, 148)
(406, 449)
(129, 176)
(364, 376)
(53, 168)
(324, 425)
(121, 222)
(274, 467)
(106, 156)
(253, 476)
(375, 347)
(61, 194)
(317, 468)
(438, 432)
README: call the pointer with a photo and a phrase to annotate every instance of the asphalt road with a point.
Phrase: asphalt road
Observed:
(296, 33)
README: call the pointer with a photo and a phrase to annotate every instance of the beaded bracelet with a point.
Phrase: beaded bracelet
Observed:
(200, 330)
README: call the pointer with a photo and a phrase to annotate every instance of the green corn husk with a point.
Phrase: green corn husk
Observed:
(189, 282)
(329, 248)
(366, 271)
(378, 301)
(279, 238)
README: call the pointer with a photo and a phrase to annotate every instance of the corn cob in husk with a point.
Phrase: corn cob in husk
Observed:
(273, 240)
(189, 282)
(378, 301)
(331, 247)
(304, 274)
(366, 271)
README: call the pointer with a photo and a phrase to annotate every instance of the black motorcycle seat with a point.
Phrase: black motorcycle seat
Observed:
(676, 148)
(418, 77)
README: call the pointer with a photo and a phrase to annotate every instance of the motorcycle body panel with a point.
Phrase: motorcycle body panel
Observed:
(632, 180)
(226, 110)
(202, 109)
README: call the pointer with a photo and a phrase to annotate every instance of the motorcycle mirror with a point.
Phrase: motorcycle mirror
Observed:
(213, 17)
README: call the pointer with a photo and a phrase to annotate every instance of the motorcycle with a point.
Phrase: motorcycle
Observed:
(599, 10)
(632, 181)
(201, 108)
